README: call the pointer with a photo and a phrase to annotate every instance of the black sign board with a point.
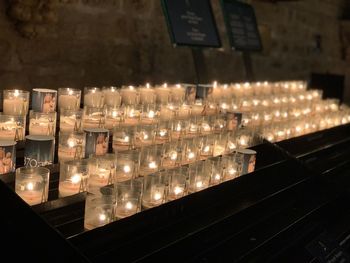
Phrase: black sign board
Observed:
(241, 26)
(191, 23)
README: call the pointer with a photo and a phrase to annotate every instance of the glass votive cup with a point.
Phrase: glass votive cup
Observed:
(129, 95)
(220, 144)
(101, 171)
(167, 112)
(7, 156)
(93, 97)
(149, 114)
(162, 94)
(205, 124)
(191, 149)
(44, 100)
(207, 146)
(197, 108)
(147, 94)
(216, 170)
(39, 150)
(128, 163)
(123, 138)
(199, 176)
(112, 97)
(129, 195)
(171, 155)
(99, 208)
(245, 158)
(93, 117)
(178, 129)
(231, 145)
(193, 127)
(71, 146)
(163, 132)
(16, 102)
(32, 184)
(70, 120)
(150, 160)
(132, 115)
(244, 138)
(232, 169)
(177, 183)
(219, 124)
(183, 111)
(154, 190)
(41, 123)
(144, 135)
(177, 94)
(113, 117)
(69, 99)
(12, 127)
(74, 177)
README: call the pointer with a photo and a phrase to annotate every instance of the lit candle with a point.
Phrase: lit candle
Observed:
(11, 128)
(178, 94)
(68, 99)
(29, 195)
(163, 94)
(71, 186)
(129, 95)
(125, 208)
(42, 123)
(93, 97)
(147, 95)
(112, 97)
(16, 102)
(197, 109)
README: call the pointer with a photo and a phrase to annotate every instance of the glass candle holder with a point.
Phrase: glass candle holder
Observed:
(71, 146)
(144, 135)
(163, 132)
(232, 169)
(193, 128)
(177, 94)
(210, 109)
(163, 94)
(171, 155)
(132, 115)
(114, 117)
(69, 99)
(244, 138)
(147, 95)
(16, 102)
(231, 145)
(123, 138)
(191, 150)
(93, 97)
(12, 127)
(130, 95)
(178, 129)
(183, 111)
(220, 145)
(112, 97)
(73, 177)
(32, 184)
(216, 170)
(128, 198)
(149, 114)
(96, 142)
(207, 146)
(7, 157)
(99, 208)
(42, 123)
(154, 190)
(197, 108)
(39, 150)
(199, 176)
(71, 120)
(128, 163)
(101, 171)
(93, 117)
(150, 160)
(177, 185)
(44, 100)
(205, 125)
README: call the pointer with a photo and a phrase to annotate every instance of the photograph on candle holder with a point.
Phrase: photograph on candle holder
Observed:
(69, 99)
(16, 102)
(39, 150)
(154, 190)
(42, 123)
(71, 146)
(129, 194)
(32, 184)
(96, 141)
(99, 208)
(190, 93)
(7, 156)
(12, 127)
(71, 120)
(93, 97)
(44, 100)
(246, 158)
(112, 96)
(74, 177)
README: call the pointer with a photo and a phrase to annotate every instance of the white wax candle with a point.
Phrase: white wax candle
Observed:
(147, 95)
(126, 208)
(41, 126)
(100, 179)
(69, 102)
(129, 95)
(93, 99)
(112, 98)
(15, 106)
(197, 109)
(163, 94)
(176, 192)
(8, 131)
(178, 93)
(31, 197)
(68, 188)
(183, 112)
(66, 153)
(67, 124)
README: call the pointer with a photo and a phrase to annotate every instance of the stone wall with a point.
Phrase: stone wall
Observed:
(105, 42)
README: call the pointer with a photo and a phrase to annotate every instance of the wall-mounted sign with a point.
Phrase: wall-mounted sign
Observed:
(241, 26)
(191, 23)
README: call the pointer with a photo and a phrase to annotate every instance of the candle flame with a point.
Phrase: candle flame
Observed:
(76, 179)
(157, 196)
(126, 169)
(178, 190)
(128, 205)
(71, 142)
(30, 186)
(16, 93)
(102, 217)
(199, 184)
(152, 165)
(147, 85)
(191, 155)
